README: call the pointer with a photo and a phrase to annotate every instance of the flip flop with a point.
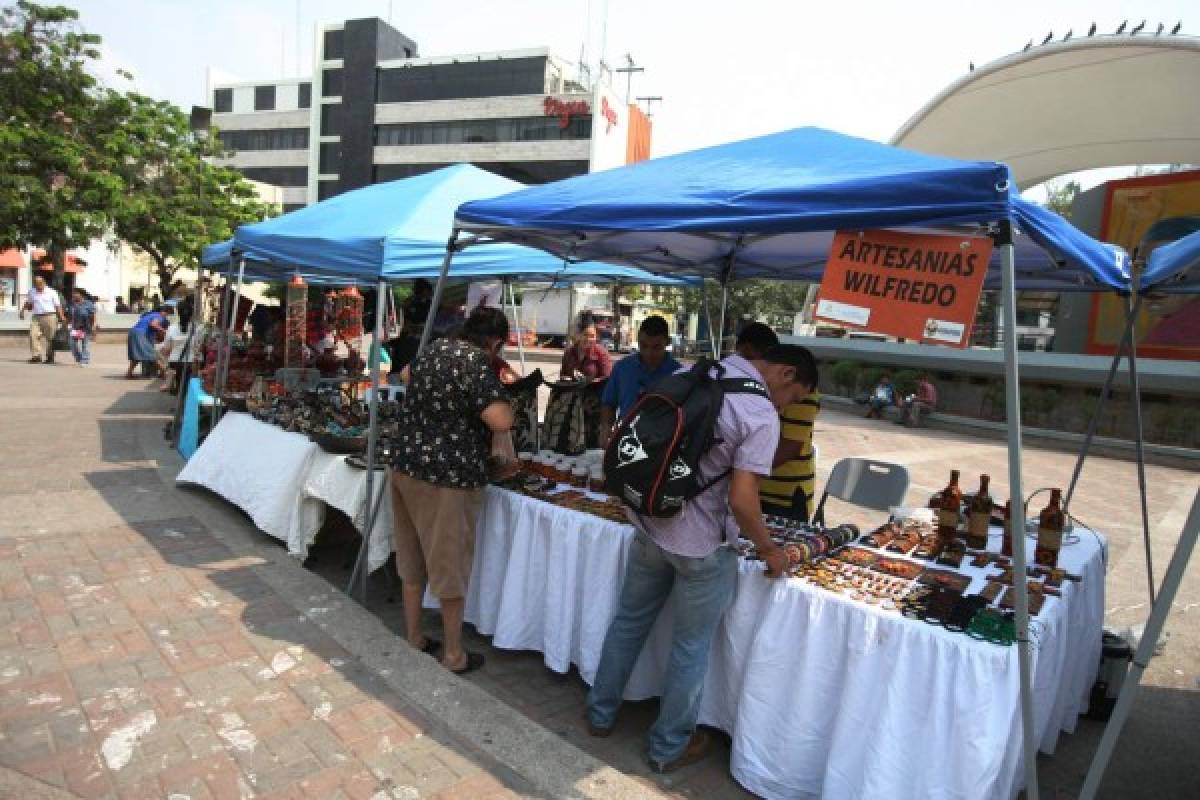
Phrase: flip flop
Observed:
(431, 646)
(474, 662)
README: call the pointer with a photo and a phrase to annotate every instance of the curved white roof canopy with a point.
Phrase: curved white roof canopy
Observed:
(1106, 101)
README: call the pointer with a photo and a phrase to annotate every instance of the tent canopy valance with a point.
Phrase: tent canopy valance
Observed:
(1174, 267)
(773, 203)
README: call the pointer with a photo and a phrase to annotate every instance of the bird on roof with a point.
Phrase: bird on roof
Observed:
(1178, 25)
(1069, 34)
(1138, 29)
(1160, 29)
(1049, 36)
(1121, 29)
(1092, 30)
(1028, 45)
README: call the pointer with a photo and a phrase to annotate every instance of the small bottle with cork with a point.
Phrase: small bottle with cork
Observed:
(979, 516)
(948, 508)
(1051, 522)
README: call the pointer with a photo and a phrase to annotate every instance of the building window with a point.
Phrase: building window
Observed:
(290, 207)
(304, 95)
(335, 45)
(326, 189)
(264, 98)
(331, 120)
(223, 101)
(518, 129)
(277, 176)
(330, 159)
(271, 139)
(527, 172)
(331, 82)
(493, 78)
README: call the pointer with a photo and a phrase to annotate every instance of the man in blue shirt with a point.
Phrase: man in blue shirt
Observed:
(634, 373)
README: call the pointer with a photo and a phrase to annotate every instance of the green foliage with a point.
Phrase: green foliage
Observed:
(78, 159)
(746, 298)
(905, 382)
(870, 377)
(844, 375)
(1060, 196)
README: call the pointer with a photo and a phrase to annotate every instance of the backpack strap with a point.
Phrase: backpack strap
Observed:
(743, 386)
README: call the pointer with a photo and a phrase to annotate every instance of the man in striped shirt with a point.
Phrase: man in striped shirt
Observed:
(789, 490)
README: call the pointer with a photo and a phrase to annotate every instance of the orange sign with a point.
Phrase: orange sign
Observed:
(913, 286)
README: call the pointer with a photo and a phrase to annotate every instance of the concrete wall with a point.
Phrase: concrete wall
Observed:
(1059, 391)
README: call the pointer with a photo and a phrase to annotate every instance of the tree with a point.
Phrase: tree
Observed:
(56, 185)
(747, 299)
(177, 199)
(1061, 196)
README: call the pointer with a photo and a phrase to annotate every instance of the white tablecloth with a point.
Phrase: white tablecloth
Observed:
(284, 482)
(822, 696)
(259, 468)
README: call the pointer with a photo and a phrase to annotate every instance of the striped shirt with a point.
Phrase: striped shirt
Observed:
(796, 425)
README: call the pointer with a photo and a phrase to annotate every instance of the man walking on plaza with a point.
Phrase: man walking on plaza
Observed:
(689, 559)
(46, 306)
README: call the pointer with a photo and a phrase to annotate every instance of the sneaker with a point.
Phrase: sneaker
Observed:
(697, 749)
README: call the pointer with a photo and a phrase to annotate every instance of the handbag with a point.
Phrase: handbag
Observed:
(61, 340)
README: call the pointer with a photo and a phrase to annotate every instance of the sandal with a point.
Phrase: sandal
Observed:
(474, 662)
(431, 646)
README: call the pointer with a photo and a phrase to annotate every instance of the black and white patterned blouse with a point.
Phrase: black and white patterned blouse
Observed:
(442, 440)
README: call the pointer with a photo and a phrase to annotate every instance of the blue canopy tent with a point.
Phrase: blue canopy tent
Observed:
(767, 207)
(1173, 268)
(388, 232)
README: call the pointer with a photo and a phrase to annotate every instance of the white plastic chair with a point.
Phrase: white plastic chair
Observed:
(864, 482)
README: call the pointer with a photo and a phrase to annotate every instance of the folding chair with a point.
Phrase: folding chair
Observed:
(863, 482)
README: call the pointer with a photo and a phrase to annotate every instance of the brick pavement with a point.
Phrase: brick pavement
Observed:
(144, 652)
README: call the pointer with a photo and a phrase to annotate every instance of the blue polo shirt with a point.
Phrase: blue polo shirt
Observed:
(629, 379)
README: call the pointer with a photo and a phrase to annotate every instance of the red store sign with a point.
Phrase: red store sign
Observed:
(565, 109)
(609, 113)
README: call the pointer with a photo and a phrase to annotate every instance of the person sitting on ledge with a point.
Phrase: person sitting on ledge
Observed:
(883, 396)
(920, 405)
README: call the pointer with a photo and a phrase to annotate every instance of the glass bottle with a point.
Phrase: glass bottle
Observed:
(1050, 531)
(979, 517)
(949, 508)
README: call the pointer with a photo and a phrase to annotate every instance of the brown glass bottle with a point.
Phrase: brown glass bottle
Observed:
(949, 508)
(1050, 531)
(979, 516)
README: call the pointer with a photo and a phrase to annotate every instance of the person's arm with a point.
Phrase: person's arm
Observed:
(497, 416)
(744, 503)
(603, 362)
(58, 309)
(787, 450)
(607, 417)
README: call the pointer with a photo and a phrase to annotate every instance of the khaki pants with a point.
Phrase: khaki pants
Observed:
(434, 534)
(41, 335)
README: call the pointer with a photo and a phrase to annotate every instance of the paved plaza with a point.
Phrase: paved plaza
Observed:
(153, 644)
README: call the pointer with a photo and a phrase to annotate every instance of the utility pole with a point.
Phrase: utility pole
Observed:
(629, 69)
(648, 100)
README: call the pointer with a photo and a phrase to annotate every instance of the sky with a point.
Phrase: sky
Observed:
(725, 70)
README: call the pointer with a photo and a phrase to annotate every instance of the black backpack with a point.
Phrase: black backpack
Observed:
(652, 461)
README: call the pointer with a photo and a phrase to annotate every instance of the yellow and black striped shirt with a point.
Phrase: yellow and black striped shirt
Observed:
(796, 424)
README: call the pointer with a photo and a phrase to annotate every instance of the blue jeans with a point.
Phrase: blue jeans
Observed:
(701, 589)
(81, 349)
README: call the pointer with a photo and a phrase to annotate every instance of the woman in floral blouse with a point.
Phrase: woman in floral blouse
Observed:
(453, 406)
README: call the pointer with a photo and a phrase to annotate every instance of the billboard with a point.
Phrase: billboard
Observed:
(1169, 326)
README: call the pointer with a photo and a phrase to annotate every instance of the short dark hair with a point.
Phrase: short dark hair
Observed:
(485, 323)
(585, 320)
(654, 326)
(798, 356)
(758, 336)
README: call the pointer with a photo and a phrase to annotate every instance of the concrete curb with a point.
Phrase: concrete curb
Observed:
(553, 766)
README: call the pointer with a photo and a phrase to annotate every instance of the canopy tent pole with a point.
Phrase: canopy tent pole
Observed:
(1139, 441)
(227, 345)
(360, 562)
(1145, 650)
(712, 339)
(512, 297)
(185, 370)
(726, 277)
(1095, 420)
(431, 317)
(218, 326)
(1016, 520)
